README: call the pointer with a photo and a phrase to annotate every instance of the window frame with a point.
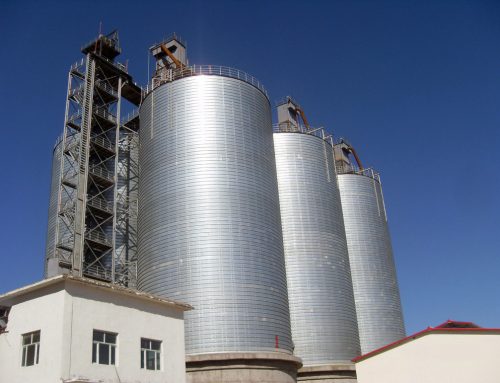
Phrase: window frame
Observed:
(99, 345)
(33, 344)
(156, 351)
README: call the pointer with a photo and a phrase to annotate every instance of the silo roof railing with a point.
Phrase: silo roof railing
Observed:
(205, 70)
(289, 127)
(367, 172)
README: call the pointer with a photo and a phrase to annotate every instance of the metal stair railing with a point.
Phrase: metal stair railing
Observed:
(75, 68)
(103, 142)
(107, 88)
(105, 114)
(97, 272)
(100, 203)
(101, 172)
(75, 116)
(98, 237)
(130, 116)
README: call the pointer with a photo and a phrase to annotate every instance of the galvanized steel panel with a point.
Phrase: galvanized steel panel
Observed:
(54, 225)
(209, 220)
(322, 310)
(376, 291)
(52, 214)
(127, 176)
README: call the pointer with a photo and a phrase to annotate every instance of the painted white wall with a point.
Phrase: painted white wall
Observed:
(131, 319)
(43, 313)
(67, 318)
(436, 358)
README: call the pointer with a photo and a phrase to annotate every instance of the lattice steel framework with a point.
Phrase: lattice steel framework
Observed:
(94, 233)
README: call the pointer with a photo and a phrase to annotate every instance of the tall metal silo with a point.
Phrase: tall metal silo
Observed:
(127, 193)
(209, 219)
(59, 238)
(323, 316)
(376, 292)
(50, 244)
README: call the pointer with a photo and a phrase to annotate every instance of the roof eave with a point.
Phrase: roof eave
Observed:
(8, 299)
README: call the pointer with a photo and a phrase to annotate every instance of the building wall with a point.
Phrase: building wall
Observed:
(457, 358)
(101, 311)
(66, 320)
(45, 313)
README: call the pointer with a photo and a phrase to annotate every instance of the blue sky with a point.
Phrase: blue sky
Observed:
(414, 86)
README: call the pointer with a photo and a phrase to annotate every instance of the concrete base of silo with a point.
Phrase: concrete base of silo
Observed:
(242, 367)
(328, 373)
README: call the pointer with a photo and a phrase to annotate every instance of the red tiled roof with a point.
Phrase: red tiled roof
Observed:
(456, 324)
(450, 326)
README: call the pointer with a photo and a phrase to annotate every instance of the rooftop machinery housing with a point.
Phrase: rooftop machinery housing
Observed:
(285, 260)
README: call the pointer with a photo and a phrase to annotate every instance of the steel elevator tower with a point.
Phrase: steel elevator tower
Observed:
(95, 189)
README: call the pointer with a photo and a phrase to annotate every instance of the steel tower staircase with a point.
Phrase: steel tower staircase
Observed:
(93, 212)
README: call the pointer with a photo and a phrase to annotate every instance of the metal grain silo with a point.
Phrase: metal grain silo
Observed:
(50, 244)
(209, 220)
(59, 238)
(127, 179)
(322, 310)
(376, 292)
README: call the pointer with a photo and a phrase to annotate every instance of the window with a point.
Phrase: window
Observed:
(104, 347)
(150, 354)
(31, 348)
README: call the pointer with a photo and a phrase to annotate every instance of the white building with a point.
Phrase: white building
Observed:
(69, 329)
(453, 352)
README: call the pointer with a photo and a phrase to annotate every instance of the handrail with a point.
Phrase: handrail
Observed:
(289, 127)
(206, 70)
(130, 116)
(100, 203)
(74, 91)
(108, 40)
(116, 64)
(97, 271)
(367, 172)
(58, 141)
(75, 116)
(105, 114)
(77, 65)
(101, 172)
(108, 88)
(102, 142)
(97, 237)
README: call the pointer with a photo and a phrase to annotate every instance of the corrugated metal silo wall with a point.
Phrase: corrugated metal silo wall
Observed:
(209, 220)
(52, 215)
(127, 198)
(323, 316)
(376, 291)
(65, 234)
